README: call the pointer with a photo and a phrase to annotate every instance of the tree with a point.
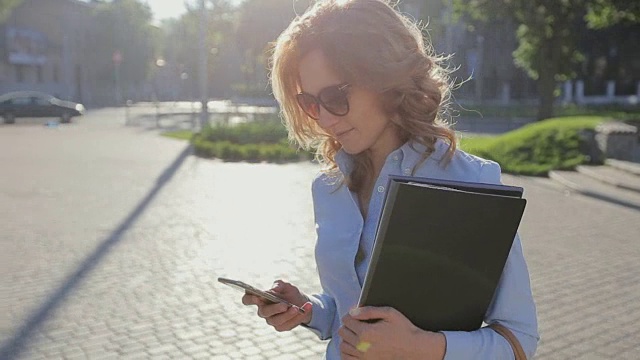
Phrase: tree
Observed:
(606, 13)
(546, 34)
(259, 24)
(6, 6)
(123, 26)
(180, 45)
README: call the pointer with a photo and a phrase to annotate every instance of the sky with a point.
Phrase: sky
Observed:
(163, 9)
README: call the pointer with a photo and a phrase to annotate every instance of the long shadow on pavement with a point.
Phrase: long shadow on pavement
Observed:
(16, 344)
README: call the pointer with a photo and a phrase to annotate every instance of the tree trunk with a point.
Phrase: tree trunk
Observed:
(546, 89)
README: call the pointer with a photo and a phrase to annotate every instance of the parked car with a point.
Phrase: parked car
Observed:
(36, 104)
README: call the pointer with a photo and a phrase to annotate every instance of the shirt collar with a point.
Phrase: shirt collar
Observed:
(344, 162)
(410, 153)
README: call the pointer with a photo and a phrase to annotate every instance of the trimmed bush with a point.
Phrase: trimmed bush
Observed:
(537, 148)
(253, 142)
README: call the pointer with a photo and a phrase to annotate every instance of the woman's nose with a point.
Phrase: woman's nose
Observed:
(327, 119)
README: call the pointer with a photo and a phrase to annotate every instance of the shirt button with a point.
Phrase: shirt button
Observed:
(407, 171)
(380, 189)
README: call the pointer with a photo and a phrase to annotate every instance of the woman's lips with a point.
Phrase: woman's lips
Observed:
(342, 134)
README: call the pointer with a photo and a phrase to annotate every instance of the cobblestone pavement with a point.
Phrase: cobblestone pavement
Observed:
(113, 239)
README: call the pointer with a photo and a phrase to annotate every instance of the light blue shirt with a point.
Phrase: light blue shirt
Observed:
(340, 228)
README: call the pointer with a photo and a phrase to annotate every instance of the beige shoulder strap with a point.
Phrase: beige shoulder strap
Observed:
(513, 341)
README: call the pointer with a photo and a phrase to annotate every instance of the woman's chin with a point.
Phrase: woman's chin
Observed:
(352, 150)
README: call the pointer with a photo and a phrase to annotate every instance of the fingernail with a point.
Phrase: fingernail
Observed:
(306, 307)
(355, 312)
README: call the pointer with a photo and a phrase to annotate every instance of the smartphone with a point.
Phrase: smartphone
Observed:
(244, 287)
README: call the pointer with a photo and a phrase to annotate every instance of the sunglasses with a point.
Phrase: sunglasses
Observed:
(332, 98)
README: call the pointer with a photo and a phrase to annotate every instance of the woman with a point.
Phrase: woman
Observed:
(355, 81)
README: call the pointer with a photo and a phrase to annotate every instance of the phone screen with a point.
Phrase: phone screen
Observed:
(244, 287)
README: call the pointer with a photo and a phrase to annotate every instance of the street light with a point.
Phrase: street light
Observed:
(117, 60)
(478, 69)
(202, 69)
(160, 63)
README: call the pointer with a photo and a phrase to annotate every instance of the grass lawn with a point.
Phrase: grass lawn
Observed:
(179, 134)
(537, 148)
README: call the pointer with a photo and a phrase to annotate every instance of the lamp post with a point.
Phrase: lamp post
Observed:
(202, 69)
(117, 60)
(478, 70)
(160, 63)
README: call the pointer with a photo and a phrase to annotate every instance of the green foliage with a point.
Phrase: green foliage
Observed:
(546, 33)
(248, 133)
(254, 142)
(537, 148)
(124, 26)
(181, 40)
(605, 13)
(258, 26)
(260, 22)
(6, 6)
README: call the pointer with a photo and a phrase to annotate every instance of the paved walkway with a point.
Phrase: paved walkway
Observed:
(128, 270)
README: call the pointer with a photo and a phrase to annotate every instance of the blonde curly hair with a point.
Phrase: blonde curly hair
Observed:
(368, 44)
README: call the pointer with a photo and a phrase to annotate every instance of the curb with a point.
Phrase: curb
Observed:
(590, 193)
(627, 166)
(606, 179)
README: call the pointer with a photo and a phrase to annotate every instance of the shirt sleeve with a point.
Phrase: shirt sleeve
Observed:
(512, 306)
(324, 306)
(322, 315)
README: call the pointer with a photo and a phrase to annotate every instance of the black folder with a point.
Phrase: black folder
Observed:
(440, 249)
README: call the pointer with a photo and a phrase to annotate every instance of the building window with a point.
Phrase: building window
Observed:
(20, 73)
(40, 76)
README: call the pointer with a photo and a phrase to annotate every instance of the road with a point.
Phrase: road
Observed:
(113, 238)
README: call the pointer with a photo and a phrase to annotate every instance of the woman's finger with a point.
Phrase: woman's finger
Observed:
(279, 319)
(354, 325)
(270, 310)
(248, 299)
(299, 317)
(288, 320)
(348, 351)
(348, 336)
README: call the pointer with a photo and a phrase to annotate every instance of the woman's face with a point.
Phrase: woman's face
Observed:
(365, 127)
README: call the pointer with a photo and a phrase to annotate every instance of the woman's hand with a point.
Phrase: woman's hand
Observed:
(392, 336)
(281, 316)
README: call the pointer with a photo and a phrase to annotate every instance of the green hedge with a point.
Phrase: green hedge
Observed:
(534, 149)
(537, 148)
(269, 132)
(253, 142)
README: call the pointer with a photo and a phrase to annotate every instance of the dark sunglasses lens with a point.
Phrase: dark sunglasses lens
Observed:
(309, 105)
(334, 100)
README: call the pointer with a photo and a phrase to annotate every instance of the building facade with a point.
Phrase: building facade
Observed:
(41, 49)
